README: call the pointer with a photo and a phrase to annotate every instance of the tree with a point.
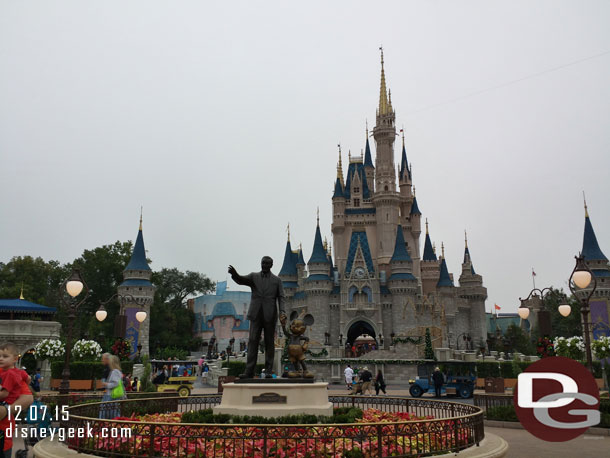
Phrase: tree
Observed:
(563, 326)
(517, 341)
(174, 286)
(40, 279)
(171, 321)
(102, 269)
(429, 352)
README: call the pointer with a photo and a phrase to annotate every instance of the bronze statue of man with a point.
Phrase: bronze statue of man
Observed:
(267, 298)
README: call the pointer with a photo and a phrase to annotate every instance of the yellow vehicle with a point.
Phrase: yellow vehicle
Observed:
(175, 380)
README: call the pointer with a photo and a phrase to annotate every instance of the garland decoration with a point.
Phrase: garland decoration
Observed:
(404, 340)
(319, 354)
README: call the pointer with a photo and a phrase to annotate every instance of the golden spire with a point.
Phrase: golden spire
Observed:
(21, 294)
(330, 249)
(141, 210)
(325, 244)
(465, 238)
(383, 97)
(318, 216)
(426, 226)
(434, 247)
(442, 250)
(390, 100)
(349, 155)
(414, 191)
(340, 166)
(366, 122)
(584, 198)
(402, 131)
(300, 246)
(288, 231)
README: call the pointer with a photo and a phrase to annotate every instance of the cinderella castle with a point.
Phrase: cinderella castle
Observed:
(377, 282)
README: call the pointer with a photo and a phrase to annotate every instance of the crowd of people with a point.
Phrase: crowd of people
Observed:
(360, 381)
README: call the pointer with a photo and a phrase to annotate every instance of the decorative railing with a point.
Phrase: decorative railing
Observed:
(454, 426)
(486, 401)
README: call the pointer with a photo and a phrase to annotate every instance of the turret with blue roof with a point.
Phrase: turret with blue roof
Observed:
(288, 272)
(594, 257)
(138, 294)
(429, 254)
(319, 266)
(402, 266)
(444, 279)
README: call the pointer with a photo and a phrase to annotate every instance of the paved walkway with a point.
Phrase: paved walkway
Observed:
(523, 445)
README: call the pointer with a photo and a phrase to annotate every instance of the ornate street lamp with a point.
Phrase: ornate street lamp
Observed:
(543, 293)
(583, 283)
(73, 286)
(141, 315)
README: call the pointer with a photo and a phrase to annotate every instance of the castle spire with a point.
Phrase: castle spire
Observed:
(368, 161)
(586, 209)
(340, 166)
(429, 254)
(288, 231)
(138, 257)
(400, 250)
(318, 254)
(383, 96)
(590, 248)
(141, 211)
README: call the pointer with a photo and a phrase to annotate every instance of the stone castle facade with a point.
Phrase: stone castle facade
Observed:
(377, 280)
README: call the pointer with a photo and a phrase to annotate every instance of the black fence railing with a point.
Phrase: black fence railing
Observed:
(486, 401)
(444, 427)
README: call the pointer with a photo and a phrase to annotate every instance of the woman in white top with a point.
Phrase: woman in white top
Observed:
(112, 409)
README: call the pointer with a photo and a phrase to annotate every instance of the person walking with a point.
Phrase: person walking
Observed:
(379, 383)
(349, 376)
(437, 378)
(112, 410)
(366, 378)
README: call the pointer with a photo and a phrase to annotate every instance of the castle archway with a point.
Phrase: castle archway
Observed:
(359, 328)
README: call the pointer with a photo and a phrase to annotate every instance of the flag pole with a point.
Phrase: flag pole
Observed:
(534, 277)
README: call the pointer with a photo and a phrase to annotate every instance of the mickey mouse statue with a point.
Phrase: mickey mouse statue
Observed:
(298, 343)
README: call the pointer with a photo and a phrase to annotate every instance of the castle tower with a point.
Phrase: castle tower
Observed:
(318, 286)
(137, 293)
(288, 272)
(430, 268)
(471, 288)
(386, 199)
(598, 263)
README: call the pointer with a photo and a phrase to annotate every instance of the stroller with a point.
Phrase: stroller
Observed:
(34, 421)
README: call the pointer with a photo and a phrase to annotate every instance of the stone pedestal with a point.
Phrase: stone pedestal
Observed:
(275, 399)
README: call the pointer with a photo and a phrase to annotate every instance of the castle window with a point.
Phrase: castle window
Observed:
(356, 202)
(386, 187)
(356, 189)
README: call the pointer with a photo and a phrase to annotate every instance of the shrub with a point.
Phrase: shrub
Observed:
(238, 367)
(501, 413)
(572, 347)
(86, 370)
(341, 415)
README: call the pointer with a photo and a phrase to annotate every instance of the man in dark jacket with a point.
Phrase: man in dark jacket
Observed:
(437, 378)
(267, 298)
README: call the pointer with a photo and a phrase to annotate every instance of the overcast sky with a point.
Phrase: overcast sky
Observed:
(222, 119)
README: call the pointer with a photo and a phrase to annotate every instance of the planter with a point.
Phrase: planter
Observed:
(74, 384)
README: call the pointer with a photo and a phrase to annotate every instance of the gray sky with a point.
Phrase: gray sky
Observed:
(222, 120)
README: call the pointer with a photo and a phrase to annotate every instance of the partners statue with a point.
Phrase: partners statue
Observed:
(298, 343)
(267, 290)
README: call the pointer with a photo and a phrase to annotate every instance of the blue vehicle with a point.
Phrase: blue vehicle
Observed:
(455, 385)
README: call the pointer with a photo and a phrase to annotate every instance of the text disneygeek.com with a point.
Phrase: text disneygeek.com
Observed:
(62, 433)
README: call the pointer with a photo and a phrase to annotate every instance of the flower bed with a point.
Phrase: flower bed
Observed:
(395, 433)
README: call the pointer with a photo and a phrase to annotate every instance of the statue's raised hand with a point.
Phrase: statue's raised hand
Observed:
(232, 270)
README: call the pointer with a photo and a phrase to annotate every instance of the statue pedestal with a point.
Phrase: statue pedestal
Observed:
(275, 399)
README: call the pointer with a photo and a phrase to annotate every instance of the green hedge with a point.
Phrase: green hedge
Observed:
(86, 370)
(505, 369)
(502, 413)
(340, 415)
(236, 368)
